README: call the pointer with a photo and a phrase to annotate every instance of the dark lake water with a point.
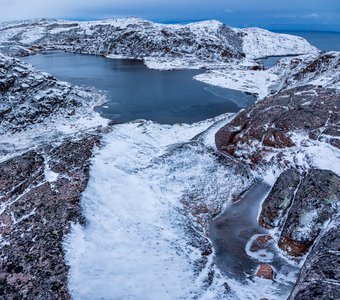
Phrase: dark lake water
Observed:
(136, 92)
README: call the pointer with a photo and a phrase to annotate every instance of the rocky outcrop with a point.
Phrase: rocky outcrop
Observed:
(263, 129)
(305, 210)
(40, 195)
(303, 206)
(28, 96)
(319, 277)
(279, 199)
(316, 202)
(321, 70)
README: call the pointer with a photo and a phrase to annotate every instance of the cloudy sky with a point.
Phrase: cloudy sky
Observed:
(272, 14)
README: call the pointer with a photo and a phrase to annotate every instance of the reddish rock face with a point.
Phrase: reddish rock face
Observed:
(37, 216)
(261, 242)
(267, 125)
(265, 271)
(292, 247)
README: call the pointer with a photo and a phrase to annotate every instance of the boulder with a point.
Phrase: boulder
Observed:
(265, 271)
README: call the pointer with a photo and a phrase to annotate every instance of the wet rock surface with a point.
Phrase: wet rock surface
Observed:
(266, 127)
(40, 197)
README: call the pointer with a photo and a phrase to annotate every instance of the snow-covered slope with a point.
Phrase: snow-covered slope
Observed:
(259, 43)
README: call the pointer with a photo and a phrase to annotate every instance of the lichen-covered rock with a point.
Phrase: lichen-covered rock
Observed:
(263, 129)
(40, 195)
(319, 277)
(279, 199)
(316, 202)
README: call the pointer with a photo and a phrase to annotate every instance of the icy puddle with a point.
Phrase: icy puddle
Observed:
(136, 92)
(233, 234)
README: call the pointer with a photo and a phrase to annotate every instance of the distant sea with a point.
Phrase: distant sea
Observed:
(324, 40)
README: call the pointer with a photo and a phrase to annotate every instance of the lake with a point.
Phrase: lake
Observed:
(136, 92)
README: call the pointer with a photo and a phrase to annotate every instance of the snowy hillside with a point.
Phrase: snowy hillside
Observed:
(207, 41)
(259, 42)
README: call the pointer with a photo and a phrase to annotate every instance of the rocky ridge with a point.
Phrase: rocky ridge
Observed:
(201, 42)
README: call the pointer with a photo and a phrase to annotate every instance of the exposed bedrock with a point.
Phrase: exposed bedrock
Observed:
(40, 194)
(269, 125)
(305, 210)
(319, 277)
(301, 206)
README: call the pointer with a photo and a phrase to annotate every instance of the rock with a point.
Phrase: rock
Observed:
(265, 271)
(319, 276)
(301, 206)
(266, 128)
(275, 206)
(261, 242)
(315, 204)
(37, 214)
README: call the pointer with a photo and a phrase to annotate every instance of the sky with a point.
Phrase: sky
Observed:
(270, 14)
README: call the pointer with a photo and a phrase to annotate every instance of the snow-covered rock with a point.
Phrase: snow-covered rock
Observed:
(28, 97)
(208, 41)
(259, 43)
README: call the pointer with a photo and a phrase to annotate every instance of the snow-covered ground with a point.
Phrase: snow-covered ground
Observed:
(255, 82)
(289, 72)
(138, 242)
(135, 245)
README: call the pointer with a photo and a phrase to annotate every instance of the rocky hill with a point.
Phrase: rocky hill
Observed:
(208, 41)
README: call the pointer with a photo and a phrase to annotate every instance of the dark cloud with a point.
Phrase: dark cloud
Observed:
(301, 14)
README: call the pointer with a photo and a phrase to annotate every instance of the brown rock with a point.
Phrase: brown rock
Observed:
(265, 271)
(292, 247)
(261, 242)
